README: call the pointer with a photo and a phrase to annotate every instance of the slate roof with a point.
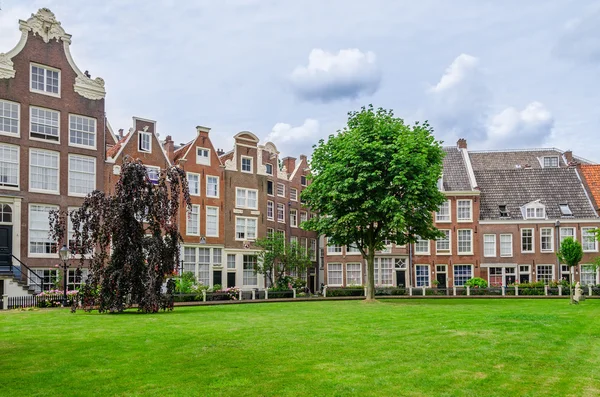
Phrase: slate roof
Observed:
(517, 187)
(456, 177)
(591, 174)
(511, 159)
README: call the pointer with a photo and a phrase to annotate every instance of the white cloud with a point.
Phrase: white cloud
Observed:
(348, 74)
(295, 140)
(459, 72)
(513, 128)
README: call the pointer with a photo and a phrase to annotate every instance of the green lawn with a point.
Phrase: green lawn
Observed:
(390, 348)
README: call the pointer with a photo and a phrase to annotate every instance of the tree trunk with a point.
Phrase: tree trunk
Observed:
(572, 279)
(371, 275)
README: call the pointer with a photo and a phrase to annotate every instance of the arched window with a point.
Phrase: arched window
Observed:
(5, 213)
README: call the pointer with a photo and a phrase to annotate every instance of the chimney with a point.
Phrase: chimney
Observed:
(303, 158)
(461, 143)
(170, 147)
(220, 152)
(289, 163)
(200, 129)
(120, 133)
(568, 156)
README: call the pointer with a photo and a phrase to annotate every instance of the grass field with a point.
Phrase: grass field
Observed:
(388, 348)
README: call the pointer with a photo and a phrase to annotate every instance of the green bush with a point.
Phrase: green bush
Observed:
(476, 282)
(346, 291)
(390, 291)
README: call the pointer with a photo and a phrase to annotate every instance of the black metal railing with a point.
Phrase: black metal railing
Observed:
(31, 281)
(16, 302)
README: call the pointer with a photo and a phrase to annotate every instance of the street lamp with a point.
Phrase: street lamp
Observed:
(64, 255)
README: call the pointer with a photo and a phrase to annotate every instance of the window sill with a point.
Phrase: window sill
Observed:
(82, 146)
(17, 135)
(32, 90)
(54, 193)
(44, 140)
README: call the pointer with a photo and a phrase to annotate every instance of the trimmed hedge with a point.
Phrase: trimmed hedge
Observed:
(346, 291)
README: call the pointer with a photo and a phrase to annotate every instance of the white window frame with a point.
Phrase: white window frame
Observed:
(251, 164)
(334, 249)
(197, 176)
(95, 133)
(46, 69)
(454, 268)
(18, 151)
(303, 216)
(57, 141)
(245, 198)
(29, 233)
(532, 251)
(341, 274)
(350, 280)
(141, 135)
(550, 158)
(448, 206)
(293, 194)
(249, 275)
(267, 167)
(551, 249)
(537, 273)
(419, 277)
(439, 251)
(208, 184)
(153, 168)
(36, 190)
(188, 219)
(584, 231)
(487, 249)
(280, 212)
(458, 241)
(18, 119)
(293, 217)
(282, 190)
(503, 254)
(312, 250)
(86, 158)
(201, 158)
(585, 269)
(246, 228)
(458, 207)
(539, 212)
(417, 247)
(270, 208)
(216, 216)
(562, 237)
(352, 249)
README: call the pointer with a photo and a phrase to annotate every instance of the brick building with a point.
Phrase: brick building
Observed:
(52, 137)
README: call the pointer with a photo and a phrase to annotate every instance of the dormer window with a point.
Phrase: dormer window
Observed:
(202, 156)
(534, 210)
(145, 142)
(550, 162)
(503, 211)
(565, 210)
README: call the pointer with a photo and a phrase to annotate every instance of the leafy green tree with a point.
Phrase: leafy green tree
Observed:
(375, 180)
(570, 253)
(130, 239)
(277, 259)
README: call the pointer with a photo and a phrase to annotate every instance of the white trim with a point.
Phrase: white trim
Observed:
(438, 252)
(428, 252)
(95, 132)
(218, 187)
(208, 151)
(190, 214)
(46, 69)
(272, 217)
(428, 275)
(532, 240)
(18, 148)
(199, 183)
(551, 239)
(70, 156)
(237, 188)
(541, 221)
(34, 190)
(595, 240)
(246, 238)
(495, 247)
(449, 202)
(470, 219)
(29, 253)
(454, 272)
(511, 245)
(139, 143)
(341, 270)
(56, 142)
(467, 160)
(242, 157)
(458, 252)
(206, 220)
(360, 270)
(18, 134)
(293, 224)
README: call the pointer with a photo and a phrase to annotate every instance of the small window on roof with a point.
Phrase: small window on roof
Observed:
(565, 210)
(551, 162)
(503, 211)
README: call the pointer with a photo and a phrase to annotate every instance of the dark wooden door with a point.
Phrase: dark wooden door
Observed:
(311, 283)
(230, 280)
(5, 248)
(400, 278)
(441, 278)
(217, 277)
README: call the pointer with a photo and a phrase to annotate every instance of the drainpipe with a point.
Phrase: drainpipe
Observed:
(410, 265)
(557, 233)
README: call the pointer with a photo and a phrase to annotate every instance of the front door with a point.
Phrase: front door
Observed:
(311, 283)
(401, 278)
(230, 280)
(217, 275)
(441, 278)
(5, 248)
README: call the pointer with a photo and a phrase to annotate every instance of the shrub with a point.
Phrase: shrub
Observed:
(476, 282)
(346, 291)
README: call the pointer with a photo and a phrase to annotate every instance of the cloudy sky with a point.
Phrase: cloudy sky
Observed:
(502, 74)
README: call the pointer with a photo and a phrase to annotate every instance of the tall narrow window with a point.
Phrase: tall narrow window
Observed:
(82, 174)
(442, 244)
(39, 228)
(422, 272)
(246, 164)
(202, 156)
(293, 218)
(422, 246)
(269, 169)
(193, 221)
(45, 80)
(588, 239)
(194, 183)
(82, 131)
(249, 264)
(547, 239)
(9, 117)
(281, 190)
(212, 221)
(230, 261)
(43, 171)
(303, 180)
(144, 141)
(443, 214)
(294, 194)
(353, 274)
(270, 210)
(312, 251)
(506, 242)
(9, 165)
(527, 240)
(489, 245)
(280, 213)
(212, 186)
(464, 210)
(334, 274)
(465, 241)
(44, 124)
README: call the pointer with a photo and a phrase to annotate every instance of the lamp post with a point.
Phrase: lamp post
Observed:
(64, 255)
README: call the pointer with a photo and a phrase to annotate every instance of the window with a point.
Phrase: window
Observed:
(82, 131)
(270, 188)
(334, 274)
(44, 277)
(489, 245)
(462, 274)
(246, 164)
(43, 171)
(39, 227)
(197, 261)
(153, 173)
(383, 269)
(524, 273)
(565, 210)
(9, 117)
(245, 228)
(422, 246)
(465, 241)
(212, 221)
(503, 211)
(281, 190)
(464, 212)
(547, 239)
(506, 245)
(352, 249)
(144, 141)
(194, 183)
(76, 278)
(202, 156)
(551, 162)
(353, 274)
(82, 174)
(527, 240)
(567, 232)
(280, 213)
(249, 264)
(312, 251)
(388, 246)
(293, 218)
(442, 244)
(246, 198)
(270, 210)
(5, 213)
(9, 166)
(212, 186)
(270, 232)
(294, 194)
(193, 221)
(535, 213)
(294, 241)
(281, 234)
(303, 216)
(334, 249)
(588, 239)
(217, 257)
(588, 275)
(230, 261)
(443, 214)
(269, 169)
(45, 80)
(545, 273)
(44, 124)
(422, 272)
(440, 183)
(303, 180)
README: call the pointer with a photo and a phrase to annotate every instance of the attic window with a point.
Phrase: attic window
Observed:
(551, 162)
(534, 210)
(145, 142)
(503, 211)
(202, 156)
(269, 169)
(565, 210)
